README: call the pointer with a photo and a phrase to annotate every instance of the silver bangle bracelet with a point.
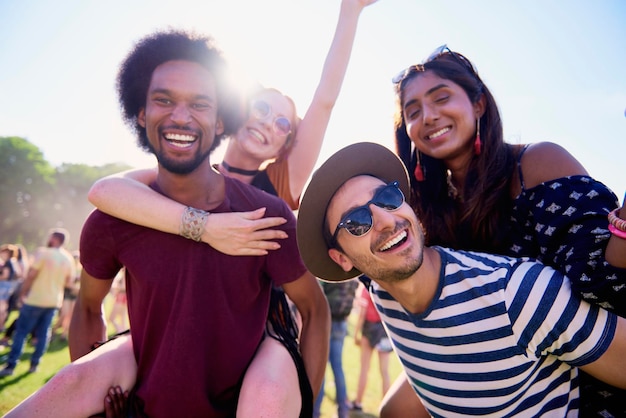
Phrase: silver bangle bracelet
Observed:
(192, 223)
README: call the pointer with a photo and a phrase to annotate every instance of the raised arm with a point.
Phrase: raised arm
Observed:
(127, 196)
(312, 128)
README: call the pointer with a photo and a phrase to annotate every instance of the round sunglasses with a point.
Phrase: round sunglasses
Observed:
(262, 110)
(359, 220)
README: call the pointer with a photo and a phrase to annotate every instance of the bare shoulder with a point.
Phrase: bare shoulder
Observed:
(545, 161)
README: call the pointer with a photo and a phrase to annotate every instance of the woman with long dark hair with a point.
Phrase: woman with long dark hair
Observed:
(474, 191)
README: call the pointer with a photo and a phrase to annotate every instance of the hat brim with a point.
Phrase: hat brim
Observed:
(363, 158)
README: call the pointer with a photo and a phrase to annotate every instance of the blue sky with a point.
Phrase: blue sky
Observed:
(557, 68)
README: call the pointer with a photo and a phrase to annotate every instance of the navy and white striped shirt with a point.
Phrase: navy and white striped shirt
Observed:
(500, 338)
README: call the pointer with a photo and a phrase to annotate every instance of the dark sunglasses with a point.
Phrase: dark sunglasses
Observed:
(262, 110)
(358, 221)
(437, 53)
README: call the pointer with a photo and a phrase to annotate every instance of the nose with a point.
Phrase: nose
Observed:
(382, 219)
(181, 114)
(429, 114)
(267, 120)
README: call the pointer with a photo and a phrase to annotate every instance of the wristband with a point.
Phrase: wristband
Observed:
(616, 221)
(617, 232)
(192, 223)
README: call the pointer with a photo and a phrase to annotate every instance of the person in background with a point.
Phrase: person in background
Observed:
(340, 297)
(42, 293)
(23, 263)
(473, 191)
(118, 315)
(8, 279)
(70, 293)
(477, 334)
(370, 336)
(21, 270)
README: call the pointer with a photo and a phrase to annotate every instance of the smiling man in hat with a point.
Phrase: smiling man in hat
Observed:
(477, 334)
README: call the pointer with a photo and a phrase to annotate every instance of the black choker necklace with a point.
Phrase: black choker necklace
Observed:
(239, 170)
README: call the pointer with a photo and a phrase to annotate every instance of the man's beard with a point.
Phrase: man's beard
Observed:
(181, 167)
(388, 274)
(177, 166)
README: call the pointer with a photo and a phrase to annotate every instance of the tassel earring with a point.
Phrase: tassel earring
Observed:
(418, 173)
(477, 144)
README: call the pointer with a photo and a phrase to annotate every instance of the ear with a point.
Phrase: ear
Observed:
(219, 126)
(141, 117)
(480, 106)
(340, 259)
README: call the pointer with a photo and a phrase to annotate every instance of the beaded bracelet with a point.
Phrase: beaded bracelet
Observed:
(616, 221)
(617, 232)
(192, 223)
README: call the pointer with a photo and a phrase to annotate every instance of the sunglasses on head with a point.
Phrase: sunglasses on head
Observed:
(443, 50)
(262, 110)
(358, 221)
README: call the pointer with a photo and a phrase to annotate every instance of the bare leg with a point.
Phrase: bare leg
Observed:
(4, 307)
(270, 387)
(68, 307)
(366, 356)
(86, 382)
(401, 398)
(383, 364)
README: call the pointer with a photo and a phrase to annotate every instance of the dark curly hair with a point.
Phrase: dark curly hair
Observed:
(481, 222)
(136, 70)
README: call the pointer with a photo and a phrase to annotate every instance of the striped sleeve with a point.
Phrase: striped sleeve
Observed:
(548, 319)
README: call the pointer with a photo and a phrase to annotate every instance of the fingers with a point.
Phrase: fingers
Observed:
(267, 234)
(257, 215)
(116, 403)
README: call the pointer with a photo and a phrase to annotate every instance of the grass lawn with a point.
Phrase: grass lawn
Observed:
(14, 389)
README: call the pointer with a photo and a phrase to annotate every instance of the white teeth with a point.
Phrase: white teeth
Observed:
(257, 135)
(181, 145)
(394, 241)
(438, 133)
(180, 137)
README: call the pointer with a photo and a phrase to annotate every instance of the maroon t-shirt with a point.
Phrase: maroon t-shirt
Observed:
(197, 315)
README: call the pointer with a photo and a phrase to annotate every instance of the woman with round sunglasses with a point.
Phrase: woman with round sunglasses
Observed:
(473, 191)
(272, 133)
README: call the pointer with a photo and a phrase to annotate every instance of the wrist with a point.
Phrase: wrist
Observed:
(616, 220)
(617, 232)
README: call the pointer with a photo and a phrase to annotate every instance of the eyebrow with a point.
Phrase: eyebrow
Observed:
(428, 92)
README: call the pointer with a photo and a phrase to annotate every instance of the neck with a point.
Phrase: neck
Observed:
(201, 189)
(238, 170)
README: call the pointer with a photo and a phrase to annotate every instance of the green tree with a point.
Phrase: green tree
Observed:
(70, 206)
(34, 196)
(26, 182)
